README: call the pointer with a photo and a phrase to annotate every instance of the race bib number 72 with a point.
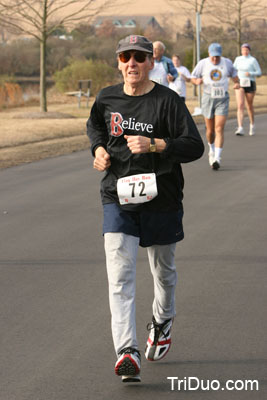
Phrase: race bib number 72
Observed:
(136, 189)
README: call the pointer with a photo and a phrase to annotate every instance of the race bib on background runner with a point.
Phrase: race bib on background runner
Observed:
(244, 82)
(217, 92)
(136, 189)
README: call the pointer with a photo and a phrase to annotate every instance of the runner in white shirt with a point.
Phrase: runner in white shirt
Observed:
(213, 72)
(184, 76)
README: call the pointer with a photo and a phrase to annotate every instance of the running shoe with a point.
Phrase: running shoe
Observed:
(128, 365)
(251, 130)
(211, 157)
(159, 340)
(239, 131)
(216, 164)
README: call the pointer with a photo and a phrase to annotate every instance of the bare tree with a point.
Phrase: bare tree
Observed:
(191, 5)
(4, 36)
(191, 9)
(40, 18)
(236, 13)
(107, 29)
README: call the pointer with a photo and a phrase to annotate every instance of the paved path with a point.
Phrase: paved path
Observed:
(55, 340)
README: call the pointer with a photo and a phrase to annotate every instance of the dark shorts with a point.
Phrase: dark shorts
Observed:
(251, 88)
(151, 227)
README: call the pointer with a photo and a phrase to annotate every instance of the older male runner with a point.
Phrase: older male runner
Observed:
(163, 71)
(213, 72)
(140, 132)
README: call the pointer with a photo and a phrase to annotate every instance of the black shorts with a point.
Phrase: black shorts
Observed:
(251, 88)
(152, 227)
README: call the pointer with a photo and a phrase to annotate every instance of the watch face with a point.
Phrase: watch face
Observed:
(152, 148)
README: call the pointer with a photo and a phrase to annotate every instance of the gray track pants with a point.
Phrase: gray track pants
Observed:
(121, 253)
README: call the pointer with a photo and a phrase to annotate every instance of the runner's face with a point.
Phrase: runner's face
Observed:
(215, 59)
(176, 61)
(136, 73)
(157, 51)
(245, 51)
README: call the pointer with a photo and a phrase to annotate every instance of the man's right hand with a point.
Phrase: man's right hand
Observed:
(102, 159)
(197, 81)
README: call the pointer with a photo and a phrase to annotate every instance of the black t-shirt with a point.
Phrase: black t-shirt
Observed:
(159, 114)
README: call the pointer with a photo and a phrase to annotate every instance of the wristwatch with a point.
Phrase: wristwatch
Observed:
(152, 146)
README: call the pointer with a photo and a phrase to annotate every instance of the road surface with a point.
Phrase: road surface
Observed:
(55, 339)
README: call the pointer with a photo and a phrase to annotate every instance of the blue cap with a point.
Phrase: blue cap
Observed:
(215, 50)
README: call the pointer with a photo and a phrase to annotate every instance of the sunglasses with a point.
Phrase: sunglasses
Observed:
(139, 56)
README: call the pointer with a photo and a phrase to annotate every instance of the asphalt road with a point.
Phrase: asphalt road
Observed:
(55, 339)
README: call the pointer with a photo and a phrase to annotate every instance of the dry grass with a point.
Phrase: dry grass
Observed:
(37, 151)
(19, 132)
(29, 139)
(25, 138)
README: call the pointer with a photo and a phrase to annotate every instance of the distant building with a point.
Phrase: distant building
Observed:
(65, 37)
(129, 22)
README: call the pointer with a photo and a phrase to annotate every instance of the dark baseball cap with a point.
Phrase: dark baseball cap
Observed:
(135, 42)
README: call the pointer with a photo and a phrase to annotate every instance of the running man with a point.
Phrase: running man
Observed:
(140, 132)
(213, 72)
(163, 71)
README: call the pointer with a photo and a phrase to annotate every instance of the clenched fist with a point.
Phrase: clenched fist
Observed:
(102, 159)
(138, 144)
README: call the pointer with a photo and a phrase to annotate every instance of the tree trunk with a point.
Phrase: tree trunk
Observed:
(239, 28)
(43, 101)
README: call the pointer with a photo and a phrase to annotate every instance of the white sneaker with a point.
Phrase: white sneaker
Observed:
(239, 131)
(251, 130)
(159, 340)
(128, 365)
(211, 157)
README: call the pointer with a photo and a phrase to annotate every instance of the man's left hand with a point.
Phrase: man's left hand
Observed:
(138, 144)
(170, 78)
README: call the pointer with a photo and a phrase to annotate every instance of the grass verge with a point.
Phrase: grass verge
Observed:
(27, 136)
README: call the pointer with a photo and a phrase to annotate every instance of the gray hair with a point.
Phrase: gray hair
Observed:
(162, 45)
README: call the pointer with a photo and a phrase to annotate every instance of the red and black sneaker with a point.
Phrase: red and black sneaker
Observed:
(159, 340)
(128, 365)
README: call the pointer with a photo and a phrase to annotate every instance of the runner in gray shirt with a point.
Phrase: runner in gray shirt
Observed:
(213, 73)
